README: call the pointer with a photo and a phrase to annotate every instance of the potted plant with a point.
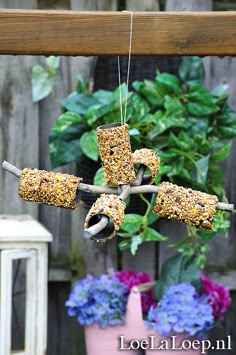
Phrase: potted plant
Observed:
(118, 318)
(185, 124)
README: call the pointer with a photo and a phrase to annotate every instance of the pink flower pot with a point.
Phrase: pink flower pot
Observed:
(107, 341)
(124, 339)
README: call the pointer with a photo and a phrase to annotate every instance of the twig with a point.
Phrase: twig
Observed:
(96, 228)
(105, 189)
(11, 168)
(97, 189)
(139, 175)
(125, 191)
(225, 206)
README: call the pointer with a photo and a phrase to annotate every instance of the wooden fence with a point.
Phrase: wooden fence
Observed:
(24, 129)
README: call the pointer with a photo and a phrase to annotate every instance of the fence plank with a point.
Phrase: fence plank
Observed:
(57, 220)
(222, 71)
(96, 33)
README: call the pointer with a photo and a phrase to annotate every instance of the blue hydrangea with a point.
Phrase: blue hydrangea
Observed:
(181, 309)
(102, 300)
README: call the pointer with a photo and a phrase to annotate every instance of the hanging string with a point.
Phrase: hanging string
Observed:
(123, 117)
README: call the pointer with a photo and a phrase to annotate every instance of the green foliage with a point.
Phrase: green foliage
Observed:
(136, 229)
(177, 117)
(178, 269)
(43, 78)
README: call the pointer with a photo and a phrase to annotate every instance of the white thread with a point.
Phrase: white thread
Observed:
(123, 118)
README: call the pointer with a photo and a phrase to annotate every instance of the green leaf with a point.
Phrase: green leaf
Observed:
(149, 90)
(177, 270)
(222, 153)
(200, 102)
(168, 84)
(99, 178)
(64, 145)
(82, 86)
(79, 103)
(173, 105)
(162, 123)
(201, 260)
(201, 170)
(65, 120)
(96, 112)
(134, 132)
(103, 96)
(191, 70)
(135, 242)
(152, 218)
(227, 132)
(53, 62)
(132, 222)
(124, 244)
(42, 83)
(216, 174)
(89, 145)
(150, 234)
(220, 90)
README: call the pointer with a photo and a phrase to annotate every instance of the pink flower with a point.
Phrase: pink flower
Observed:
(219, 297)
(130, 279)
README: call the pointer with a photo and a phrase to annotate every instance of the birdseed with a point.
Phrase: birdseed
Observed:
(148, 158)
(49, 188)
(116, 155)
(112, 207)
(191, 207)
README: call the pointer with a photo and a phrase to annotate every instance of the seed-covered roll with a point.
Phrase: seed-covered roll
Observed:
(191, 207)
(116, 155)
(110, 206)
(148, 158)
(51, 188)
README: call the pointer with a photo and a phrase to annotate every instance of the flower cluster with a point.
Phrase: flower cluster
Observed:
(102, 300)
(181, 309)
(219, 298)
(131, 279)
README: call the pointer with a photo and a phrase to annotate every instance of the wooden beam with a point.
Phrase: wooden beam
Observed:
(107, 33)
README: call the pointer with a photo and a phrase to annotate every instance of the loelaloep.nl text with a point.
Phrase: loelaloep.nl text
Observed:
(155, 343)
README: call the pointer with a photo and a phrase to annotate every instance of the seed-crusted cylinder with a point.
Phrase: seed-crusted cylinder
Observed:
(110, 206)
(51, 188)
(148, 158)
(191, 207)
(116, 155)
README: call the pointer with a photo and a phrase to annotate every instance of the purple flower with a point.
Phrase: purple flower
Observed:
(218, 296)
(181, 309)
(131, 279)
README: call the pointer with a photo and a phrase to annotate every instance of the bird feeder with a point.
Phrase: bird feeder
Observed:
(193, 208)
(149, 159)
(111, 207)
(116, 155)
(51, 188)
